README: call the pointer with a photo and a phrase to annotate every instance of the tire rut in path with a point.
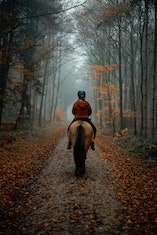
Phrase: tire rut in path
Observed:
(61, 203)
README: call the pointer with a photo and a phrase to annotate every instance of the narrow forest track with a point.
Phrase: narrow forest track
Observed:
(61, 203)
(58, 202)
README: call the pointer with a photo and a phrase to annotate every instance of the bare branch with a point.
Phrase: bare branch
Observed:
(52, 13)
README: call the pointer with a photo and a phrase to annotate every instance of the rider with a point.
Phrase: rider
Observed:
(82, 110)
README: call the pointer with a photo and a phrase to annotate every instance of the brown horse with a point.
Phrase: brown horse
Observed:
(81, 135)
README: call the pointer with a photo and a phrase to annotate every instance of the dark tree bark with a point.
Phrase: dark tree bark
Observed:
(132, 78)
(7, 9)
(43, 91)
(144, 132)
(154, 76)
(20, 116)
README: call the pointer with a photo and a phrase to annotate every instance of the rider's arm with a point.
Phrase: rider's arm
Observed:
(89, 109)
(73, 110)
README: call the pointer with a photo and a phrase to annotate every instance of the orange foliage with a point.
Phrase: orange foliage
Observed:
(96, 76)
(135, 184)
(23, 157)
(102, 90)
(103, 68)
(100, 70)
(108, 87)
(112, 11)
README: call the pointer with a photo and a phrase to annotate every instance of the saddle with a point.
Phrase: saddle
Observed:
(83, 119)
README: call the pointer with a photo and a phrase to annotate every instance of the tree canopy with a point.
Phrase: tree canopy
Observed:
(105, 47)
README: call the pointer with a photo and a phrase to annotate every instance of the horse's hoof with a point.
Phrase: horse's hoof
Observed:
(79, 174)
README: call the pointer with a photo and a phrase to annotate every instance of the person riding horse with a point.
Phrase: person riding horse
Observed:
(82, 110)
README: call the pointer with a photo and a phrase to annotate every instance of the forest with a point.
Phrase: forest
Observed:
(51, 49)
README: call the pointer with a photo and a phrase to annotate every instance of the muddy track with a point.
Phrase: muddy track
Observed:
(61, 203)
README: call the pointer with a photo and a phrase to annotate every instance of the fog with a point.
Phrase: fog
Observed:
(74, 73)
(52, 49)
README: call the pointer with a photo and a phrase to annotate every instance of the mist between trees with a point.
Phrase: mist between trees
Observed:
(51, 49)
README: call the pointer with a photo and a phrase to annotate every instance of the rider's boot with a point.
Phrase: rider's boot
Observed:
(69, 145)
(92, 145)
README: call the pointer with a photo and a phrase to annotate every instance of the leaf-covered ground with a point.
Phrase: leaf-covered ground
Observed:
(39, 193)
(135, 181)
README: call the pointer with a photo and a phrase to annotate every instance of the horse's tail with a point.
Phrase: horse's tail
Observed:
(79, 147)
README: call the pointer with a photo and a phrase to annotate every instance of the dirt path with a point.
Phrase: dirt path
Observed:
(57, 202)
(60, 203)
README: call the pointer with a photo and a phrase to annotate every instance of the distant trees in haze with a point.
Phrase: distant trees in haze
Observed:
(122, 33)
(119, 41)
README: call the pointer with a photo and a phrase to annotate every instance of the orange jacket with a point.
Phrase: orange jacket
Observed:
(81, 109)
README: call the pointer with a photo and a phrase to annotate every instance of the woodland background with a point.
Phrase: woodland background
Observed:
(50, 49)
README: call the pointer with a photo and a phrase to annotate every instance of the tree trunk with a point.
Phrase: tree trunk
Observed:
(43, 91)
(141, 65)
(57, 90)
(7, 14)
(45, 101)
(144, 133)
(23, 100)
(52, 98)
(120, 74)
(132, 79)
(154, 76)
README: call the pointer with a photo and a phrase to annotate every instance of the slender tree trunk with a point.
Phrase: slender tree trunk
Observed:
(44, 83)
(109, 92)
(141, 65)
(52, 100)
(56, 101)
(53, 90)
(45, 101)
(132, 78)
(20, 116)
(43, 91)
(126, 92)
(100, 106)
(57, 87)
(154, 76)
(33, 109)
(120, 75)
(145, 72)
(109, 106)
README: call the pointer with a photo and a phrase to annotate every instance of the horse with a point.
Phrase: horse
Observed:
(80, 135)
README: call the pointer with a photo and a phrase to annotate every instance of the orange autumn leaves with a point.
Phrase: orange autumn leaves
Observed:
(135, 184)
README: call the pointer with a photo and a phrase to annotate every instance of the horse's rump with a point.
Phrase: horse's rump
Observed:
(80, 135)
(85, 133)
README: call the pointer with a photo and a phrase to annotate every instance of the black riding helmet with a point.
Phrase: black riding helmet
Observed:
(81, 94)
